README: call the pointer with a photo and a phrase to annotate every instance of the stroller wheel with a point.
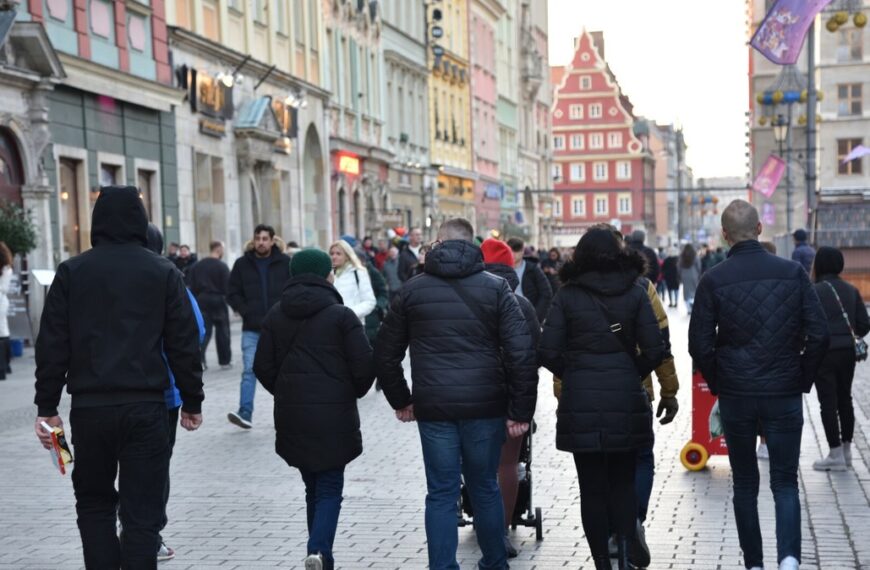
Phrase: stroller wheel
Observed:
(539, 524)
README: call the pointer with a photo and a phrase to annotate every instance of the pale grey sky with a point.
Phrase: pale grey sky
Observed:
(679, 61)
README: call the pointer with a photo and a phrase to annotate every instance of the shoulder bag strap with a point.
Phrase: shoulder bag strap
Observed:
(471, 304)
(614, 327)
(843, 310)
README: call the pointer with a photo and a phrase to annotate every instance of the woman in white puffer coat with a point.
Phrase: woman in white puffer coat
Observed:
(5, 284)
(352, 280)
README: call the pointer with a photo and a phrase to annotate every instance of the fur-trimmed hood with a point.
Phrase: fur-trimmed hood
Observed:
(605, 275)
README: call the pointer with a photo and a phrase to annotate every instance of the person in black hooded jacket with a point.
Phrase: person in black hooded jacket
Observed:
(474, 374)
(834, 380)
(313, 356)
(599, 318)
(110, 316)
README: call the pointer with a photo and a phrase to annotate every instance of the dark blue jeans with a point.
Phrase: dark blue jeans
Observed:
(323, 504)
(782, 420)
(451, 451)
(643, 479)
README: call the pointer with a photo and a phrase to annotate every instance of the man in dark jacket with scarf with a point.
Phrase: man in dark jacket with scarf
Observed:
(534, 285)
(107, 315)
(256, 283)
(758, 335)
(474, 375)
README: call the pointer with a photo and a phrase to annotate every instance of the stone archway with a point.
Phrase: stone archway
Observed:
(315, 207)
(11, 168)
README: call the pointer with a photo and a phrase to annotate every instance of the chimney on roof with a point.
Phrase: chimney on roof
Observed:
(598, 38)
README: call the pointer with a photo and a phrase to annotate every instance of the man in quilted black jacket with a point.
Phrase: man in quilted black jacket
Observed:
(475, 377)
(758, 335)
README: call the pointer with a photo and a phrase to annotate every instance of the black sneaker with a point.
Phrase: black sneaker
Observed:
(238, 420)
(638, 551)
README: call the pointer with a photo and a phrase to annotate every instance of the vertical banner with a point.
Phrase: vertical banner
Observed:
(781, 34)
(771, 173)
(768, 214)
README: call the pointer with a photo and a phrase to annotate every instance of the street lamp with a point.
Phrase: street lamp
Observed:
(782, 135)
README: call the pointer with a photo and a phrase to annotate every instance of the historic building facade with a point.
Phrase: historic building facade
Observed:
(601, 167)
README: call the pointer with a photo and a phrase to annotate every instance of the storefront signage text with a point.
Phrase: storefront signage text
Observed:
(348, 164)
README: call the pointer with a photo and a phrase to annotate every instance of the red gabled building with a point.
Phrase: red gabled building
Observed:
(600, 167)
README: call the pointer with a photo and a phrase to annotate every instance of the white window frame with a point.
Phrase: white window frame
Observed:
(581, 172)
(155, 196)
(575, 211)
(81, 156)
(596, 110)
(585, 83)
(625, 196)
(614, 139)
(595, 175)
(558, 142)
(557, 207)
(575, 111)
(599, 198)
(596, 140)
(578, 141)
(626, 166)
(111, 159)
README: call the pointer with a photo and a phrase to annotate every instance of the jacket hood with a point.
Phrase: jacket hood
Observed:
(119, 217)
(454, 258)
(531, 260)
(307, 295)
(603, 276)
(155, 239)
(279, 243)
(506, 272)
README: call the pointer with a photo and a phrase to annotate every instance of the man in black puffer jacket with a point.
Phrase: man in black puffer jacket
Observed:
(473, 367)
(534, 285)
(758, 335)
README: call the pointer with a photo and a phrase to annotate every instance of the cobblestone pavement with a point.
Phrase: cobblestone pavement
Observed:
(235, 504)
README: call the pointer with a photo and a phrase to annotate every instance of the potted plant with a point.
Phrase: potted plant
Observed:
(17, 228)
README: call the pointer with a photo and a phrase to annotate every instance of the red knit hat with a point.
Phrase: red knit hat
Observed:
(497, 252)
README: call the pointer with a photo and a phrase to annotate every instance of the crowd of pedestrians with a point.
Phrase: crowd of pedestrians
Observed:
(477, 318)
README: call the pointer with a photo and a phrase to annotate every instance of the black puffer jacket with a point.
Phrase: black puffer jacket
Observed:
(853, 304)
(537, 288)
(603, 406)
(462, 368)
(757, 326)
(508, 273)
(314, 358)
(245, 294)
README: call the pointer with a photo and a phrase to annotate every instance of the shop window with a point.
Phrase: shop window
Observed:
(145, 179)
(70, 196)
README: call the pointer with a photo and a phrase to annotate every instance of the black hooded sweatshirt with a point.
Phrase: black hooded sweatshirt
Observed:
(313, 356)
(109, 313)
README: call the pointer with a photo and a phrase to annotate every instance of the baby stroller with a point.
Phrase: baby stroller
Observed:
(525, 513)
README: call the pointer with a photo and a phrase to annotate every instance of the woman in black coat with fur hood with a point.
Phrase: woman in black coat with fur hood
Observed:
(602, 338)
(313, 356)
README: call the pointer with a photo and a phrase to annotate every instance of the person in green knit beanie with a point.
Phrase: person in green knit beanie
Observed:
(314, 357)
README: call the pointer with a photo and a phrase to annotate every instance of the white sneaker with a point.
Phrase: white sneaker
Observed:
(314, 562)
(789, 563)
(756, 568)
(762, 452)
(847, 453)
(164, 553)
(835, 461)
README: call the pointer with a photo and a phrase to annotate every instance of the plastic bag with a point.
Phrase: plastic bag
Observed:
(716, 427)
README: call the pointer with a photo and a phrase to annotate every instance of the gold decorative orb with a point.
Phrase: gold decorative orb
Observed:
(820, 95)
(832, 25)
(762, 121)
(804, 95)
(860, 20)
(841, 17)
(802, 120)
(760, 98)
(778, 96)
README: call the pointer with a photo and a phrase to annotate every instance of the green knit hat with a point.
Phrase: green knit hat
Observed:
(311, 261)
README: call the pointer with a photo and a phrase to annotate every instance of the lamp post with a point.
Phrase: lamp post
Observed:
(782, 135)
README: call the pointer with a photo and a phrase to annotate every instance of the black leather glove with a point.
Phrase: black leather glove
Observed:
(670, 407)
